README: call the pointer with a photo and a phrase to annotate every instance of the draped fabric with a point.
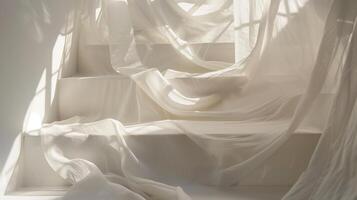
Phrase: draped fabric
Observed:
(332, 170)
(294, 70)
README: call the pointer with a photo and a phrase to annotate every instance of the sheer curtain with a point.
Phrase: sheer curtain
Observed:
(332, 170)
(292, 57)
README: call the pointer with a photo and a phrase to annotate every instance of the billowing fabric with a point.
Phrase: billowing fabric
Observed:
(294, 71)
(332, 170)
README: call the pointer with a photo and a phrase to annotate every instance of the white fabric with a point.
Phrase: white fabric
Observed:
(332, 170)
(295, 57)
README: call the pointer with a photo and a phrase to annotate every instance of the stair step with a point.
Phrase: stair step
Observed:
(94, 59)
(281, 169)
(196, 192)
(102, 97)
(118, 97)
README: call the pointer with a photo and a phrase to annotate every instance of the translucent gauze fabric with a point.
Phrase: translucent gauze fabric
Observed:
(290, 59)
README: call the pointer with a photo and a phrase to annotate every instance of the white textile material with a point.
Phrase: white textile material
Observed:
(292, 57)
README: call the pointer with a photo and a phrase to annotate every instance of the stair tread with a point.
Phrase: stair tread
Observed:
(159, 127)
(86, 77)
(197, 192)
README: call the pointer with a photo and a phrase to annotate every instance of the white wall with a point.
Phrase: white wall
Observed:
(28, 32)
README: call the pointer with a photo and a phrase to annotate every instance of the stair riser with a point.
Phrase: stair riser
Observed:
(282, 169)
(95, 59)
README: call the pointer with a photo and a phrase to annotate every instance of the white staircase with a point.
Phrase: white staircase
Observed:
(99, 94)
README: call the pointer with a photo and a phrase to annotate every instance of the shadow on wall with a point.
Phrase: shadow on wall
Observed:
(34, 46)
